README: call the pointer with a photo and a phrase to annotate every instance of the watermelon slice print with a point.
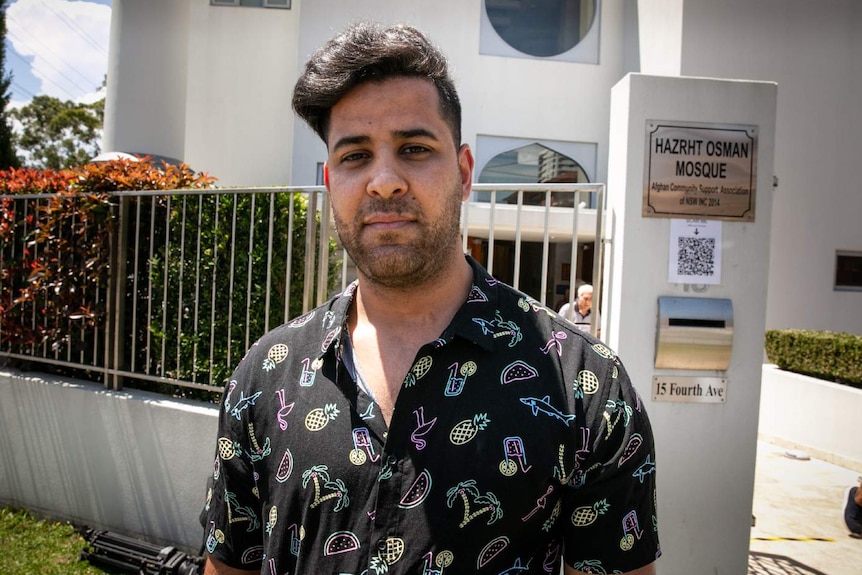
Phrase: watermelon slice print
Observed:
(418, 492)
(285, 467)
(340, 542)
(491, 550)
(631, 447)
(518, 371)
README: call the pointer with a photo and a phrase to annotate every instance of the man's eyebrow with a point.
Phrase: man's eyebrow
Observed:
(350, 141)
(415, 133)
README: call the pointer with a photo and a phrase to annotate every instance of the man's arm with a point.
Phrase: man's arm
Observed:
(645, 570)
(216, 567)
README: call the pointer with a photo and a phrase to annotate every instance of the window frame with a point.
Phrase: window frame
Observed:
(586, 51)
(850, 254)
(277, 4)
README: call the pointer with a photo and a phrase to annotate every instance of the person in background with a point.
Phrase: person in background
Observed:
(853, 510)
(581, 312)
(430, 419)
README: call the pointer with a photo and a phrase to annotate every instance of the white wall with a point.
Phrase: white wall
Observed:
(660, 36)
(145, 107)
(132, 462)
(243, 64)
(812, 50)
(787, 404)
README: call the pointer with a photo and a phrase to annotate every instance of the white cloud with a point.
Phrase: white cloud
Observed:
(68, 42)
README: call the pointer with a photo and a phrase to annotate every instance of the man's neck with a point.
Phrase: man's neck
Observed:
(388, 327)
(419, 308)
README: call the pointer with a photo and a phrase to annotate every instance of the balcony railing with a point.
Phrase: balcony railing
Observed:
(196, 276)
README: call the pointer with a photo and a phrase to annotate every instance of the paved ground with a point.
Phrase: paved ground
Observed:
(799, 504)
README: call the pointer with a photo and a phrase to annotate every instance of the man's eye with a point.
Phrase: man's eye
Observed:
(414, 149)
(353, 157)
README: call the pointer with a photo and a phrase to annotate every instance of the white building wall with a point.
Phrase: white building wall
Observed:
(546, 99)
(243, 64)
(812, 50)
(212, 86)
(660, 36)
(147, 69)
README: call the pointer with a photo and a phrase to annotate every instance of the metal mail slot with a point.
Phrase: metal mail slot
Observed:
(694, 333)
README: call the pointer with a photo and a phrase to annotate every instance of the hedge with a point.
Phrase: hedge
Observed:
(54, 253)
(55, 265)
(822, 354)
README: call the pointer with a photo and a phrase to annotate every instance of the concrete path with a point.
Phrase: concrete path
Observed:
(798, 507)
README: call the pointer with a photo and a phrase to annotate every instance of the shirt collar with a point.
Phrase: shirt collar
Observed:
(477, 320)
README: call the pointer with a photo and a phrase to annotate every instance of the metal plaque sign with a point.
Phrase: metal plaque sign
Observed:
(705, 171)
(689, 389)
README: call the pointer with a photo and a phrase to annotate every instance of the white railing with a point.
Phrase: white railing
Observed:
(197, 275)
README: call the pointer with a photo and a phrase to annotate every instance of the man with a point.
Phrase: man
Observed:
(579, 314)
(428, 420)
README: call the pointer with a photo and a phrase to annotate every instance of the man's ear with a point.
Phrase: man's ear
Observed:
(326, 175)
(465, 165)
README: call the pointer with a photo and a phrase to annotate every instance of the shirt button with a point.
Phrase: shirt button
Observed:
(381, 545)
(392, 460)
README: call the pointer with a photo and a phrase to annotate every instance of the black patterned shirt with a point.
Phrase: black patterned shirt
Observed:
(517, 441)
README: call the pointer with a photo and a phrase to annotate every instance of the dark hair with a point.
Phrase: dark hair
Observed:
(369, 53)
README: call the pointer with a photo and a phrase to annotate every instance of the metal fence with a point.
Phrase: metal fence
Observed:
(196, 276)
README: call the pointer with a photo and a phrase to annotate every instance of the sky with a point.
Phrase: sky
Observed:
(58, 48)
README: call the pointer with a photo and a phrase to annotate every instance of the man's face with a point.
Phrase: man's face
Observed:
(396, 181)
(585, 301)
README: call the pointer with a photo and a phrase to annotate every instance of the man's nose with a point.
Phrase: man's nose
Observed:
(386, 178)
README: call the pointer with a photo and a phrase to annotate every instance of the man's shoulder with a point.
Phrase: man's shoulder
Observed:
(545, 321)
(310, 332)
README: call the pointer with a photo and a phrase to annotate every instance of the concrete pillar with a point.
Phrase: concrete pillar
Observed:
(706, 444)
(145, 105)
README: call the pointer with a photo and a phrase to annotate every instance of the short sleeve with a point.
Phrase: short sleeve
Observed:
(231, 519)
(609, 508)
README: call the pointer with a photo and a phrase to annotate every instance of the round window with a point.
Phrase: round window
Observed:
(541, 27)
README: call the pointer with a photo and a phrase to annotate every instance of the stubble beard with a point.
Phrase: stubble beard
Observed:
(392, 262)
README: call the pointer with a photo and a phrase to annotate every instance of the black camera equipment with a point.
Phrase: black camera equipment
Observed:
(128, 555)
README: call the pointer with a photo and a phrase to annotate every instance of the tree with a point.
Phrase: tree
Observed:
(56, 134)
(8, 157)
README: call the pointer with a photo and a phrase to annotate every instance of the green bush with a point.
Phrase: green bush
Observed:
(55, 255)
(823, 354)
(221, 318)
(185, 315)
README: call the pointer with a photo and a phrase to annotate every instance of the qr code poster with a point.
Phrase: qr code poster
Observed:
(695, 252)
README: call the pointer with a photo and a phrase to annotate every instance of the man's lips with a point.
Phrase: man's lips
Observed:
(388, 221)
